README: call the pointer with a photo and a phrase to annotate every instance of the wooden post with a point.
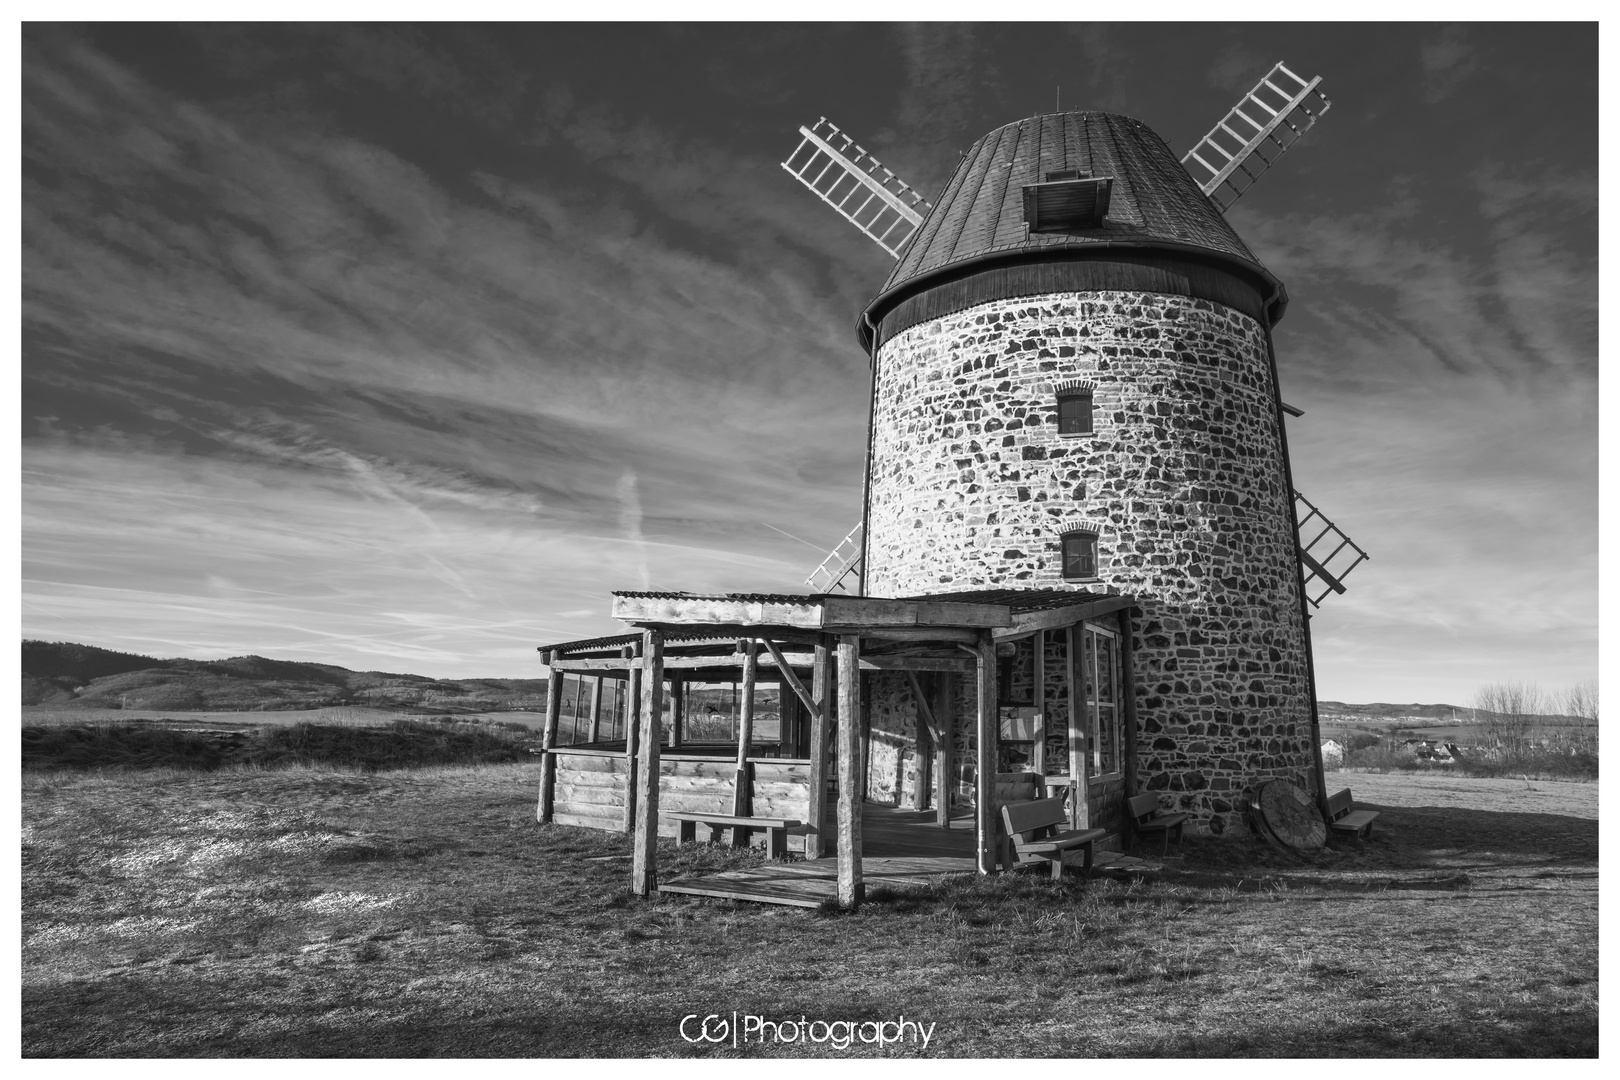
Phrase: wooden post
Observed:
(926, 731)
(1037, 758)
(788, 677)
(632, 731)
(1127, 704)
(742, 799)
(987, 737)
(573, 726)
(644, 864)
(596, 709)
(864, 759)
(850, 889)
(814, 837)
(1079, 759)
(677, 720)
(944, 745)
(548, 741)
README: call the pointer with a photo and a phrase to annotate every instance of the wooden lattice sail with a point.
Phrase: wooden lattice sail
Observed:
(856, 184)
(1327, 554)
(840, 571)
(1248, 140)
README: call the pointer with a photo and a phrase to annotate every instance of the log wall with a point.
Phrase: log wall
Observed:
(590, 788)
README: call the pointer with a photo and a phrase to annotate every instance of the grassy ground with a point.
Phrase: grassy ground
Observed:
(423, 913)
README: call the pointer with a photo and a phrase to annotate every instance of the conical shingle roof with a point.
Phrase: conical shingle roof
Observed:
(978, 219)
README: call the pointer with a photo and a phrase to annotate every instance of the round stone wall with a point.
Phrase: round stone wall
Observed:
(1181, 480)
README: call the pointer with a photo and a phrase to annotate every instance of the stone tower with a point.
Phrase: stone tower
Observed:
(1074, 387)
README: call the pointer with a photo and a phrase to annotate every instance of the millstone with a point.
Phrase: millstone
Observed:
(1288, 813)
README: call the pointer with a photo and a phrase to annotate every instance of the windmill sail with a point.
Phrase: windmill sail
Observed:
(1250, 139)
(1328, 555)
(856, 184)
(840, 571)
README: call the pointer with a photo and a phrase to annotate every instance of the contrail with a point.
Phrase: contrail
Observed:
(790, 536)
(630, 521)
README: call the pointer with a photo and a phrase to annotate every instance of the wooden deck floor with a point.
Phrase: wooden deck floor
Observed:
(899, 848)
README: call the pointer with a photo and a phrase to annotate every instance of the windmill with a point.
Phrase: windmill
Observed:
(1060, 203)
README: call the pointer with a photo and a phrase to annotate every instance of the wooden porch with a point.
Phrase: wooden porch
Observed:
(826, 652)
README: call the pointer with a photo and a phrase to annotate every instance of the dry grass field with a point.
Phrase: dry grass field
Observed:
(61, 715)
(423, 913)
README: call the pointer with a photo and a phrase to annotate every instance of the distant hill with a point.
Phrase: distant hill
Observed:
(62, 673)
(1380, 710)
(1407, 717)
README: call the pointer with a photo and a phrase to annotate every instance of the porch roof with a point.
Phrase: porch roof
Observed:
(701, 623)
(1038, 609)
(808, 616)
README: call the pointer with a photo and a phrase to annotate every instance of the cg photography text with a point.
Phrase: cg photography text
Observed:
(742, 1028)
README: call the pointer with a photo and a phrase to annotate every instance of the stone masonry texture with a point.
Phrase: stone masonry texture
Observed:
(1182, 481)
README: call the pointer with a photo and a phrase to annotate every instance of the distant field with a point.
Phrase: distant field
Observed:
(341, 714)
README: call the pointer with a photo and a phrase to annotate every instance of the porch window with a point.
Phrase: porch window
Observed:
(1079, 556)
(1099, 668)
(714, 713)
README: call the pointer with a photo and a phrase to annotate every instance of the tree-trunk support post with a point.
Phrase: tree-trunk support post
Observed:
(596, 709)
(677, 720)
(548, 741)
(742, 798)
(850, 889)
(1127, 693)
(927, 732)
(1079, 711)
(1037, 757)
(644, 863)
(945, 745)
(632, 733)
(987, 845)
(820, 721)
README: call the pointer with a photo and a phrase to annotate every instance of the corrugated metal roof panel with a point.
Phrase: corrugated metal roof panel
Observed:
(1019, 600)
(618, 641)
(751, 598)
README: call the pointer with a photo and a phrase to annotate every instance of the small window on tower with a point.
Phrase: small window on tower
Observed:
(1079, 556)
(1074, 412)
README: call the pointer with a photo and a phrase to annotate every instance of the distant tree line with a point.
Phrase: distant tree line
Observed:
(1520, 729)
(1518, 718)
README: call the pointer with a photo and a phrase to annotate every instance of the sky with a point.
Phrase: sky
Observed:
(400, 347)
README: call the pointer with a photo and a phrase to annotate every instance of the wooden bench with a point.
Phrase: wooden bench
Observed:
(1145, 812)
(775, 829)
(1032, 835)
(1341, 818)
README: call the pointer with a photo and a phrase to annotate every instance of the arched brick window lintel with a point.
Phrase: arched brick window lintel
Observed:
(1074, 407)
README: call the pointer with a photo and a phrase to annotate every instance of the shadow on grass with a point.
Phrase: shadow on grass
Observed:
(1552, 1034)
(1497, 831)
(1405, 836)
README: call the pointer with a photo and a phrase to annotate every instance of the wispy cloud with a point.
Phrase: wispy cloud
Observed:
(335, 332)
(356, 343)
(1447, 62)
(1468, 464)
